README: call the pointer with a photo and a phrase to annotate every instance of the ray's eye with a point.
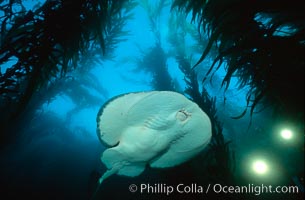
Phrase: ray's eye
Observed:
(182, 115)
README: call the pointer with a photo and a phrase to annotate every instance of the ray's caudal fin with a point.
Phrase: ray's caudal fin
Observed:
(108, 173)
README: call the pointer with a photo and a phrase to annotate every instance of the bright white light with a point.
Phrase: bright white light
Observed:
(260, 167)
(286, 134)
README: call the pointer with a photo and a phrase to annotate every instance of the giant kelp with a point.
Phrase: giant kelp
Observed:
(154, 60)
(154, 11)
(260, 42)
(219, 159)
(49, 41)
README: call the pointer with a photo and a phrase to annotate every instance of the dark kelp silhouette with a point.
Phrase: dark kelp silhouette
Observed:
(48, 42)
(219, 157)
(219, 160)
(154, 60)
(260, 42)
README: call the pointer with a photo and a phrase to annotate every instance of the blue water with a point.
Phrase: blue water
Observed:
(58, 155)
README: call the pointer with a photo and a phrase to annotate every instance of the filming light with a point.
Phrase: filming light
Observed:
(286, 134)
(260, 167)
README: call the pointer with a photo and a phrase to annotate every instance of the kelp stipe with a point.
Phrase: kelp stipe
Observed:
(219, 156)
(219, 159)
(154, 60)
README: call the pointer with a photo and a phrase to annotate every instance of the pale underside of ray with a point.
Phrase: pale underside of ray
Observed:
(162, 129)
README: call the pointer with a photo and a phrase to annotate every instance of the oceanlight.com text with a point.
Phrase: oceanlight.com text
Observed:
(255, 189)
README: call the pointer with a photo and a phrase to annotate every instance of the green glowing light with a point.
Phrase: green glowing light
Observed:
(260, 167)
(286, 134)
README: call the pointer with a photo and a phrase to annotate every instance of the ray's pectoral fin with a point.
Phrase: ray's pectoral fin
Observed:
(117, 163)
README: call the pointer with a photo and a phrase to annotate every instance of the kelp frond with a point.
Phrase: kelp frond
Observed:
(48, 42)
(221, 157)
(254, 44)
(154, 11)
(154, 61)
